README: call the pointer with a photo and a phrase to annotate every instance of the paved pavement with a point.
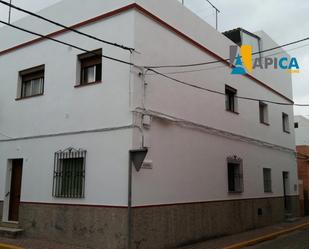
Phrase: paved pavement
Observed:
(296, 240)
(226, 241)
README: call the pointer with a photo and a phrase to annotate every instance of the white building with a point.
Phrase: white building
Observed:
(301, 133)
(212, 168)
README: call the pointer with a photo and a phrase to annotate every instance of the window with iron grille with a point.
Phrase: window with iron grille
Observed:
(230, 99)
(69, 173)
(267, 180)
(235, 175)
(91, 67)
(32, 82)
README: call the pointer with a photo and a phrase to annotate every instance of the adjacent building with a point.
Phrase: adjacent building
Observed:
(302, 146)
(216, 163)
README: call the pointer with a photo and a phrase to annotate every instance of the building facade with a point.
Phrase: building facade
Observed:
(216, 164)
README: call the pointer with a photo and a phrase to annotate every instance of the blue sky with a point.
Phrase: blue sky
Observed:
(283, 20)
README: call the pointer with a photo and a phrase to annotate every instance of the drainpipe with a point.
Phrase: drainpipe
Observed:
(10, 11)
(129, 239)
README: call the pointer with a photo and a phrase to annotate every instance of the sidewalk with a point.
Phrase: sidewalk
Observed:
(226, 241)
(218, 243)
(36, 244)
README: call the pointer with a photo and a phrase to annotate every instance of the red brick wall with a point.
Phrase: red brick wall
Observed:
(303, 175)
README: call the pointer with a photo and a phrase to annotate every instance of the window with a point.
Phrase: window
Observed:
(267, 180)
(263, 112)
(235, 175)
(69, 174)
(32, 82)
(296, 125)
(253, 40)
(285, 122)
(230, 99)
(90, 67)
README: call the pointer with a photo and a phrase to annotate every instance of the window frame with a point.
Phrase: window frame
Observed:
(231, 94)
(86, 61)
(64, 186)
(236, 161)
(263, 113)
(30, 75)
(267, 183)
(285, 122)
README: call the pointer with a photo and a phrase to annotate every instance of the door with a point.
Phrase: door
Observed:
(16, 176)
(306, 203)
(285, 176)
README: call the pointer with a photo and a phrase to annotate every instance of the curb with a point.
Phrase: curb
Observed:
(265, 237)
(4, 246)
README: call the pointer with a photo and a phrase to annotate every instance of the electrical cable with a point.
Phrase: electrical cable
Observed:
(150, 69)
(227, 60)
(65, 43)
(221, 93)
(224, 66)
(65, 27)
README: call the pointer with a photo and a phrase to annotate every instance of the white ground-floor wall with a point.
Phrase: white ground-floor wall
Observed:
(106, 167)
(190, 165)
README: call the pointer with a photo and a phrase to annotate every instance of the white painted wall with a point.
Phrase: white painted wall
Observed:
(157, 46)
(65, 109)
(278, 79)
(181, 18)
(302, 132)
(188, 165)
(191, 166)
(68, 108)
(106, 166)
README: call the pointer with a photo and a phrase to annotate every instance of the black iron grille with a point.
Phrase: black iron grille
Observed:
(69, 173)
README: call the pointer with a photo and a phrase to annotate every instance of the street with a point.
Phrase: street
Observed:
(296, 240)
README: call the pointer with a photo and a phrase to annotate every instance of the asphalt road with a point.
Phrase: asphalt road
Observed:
(295, 240)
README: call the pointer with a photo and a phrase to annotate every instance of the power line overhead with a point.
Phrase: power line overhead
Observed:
(65, 27)
(227, 60)
(64, 43)
(152, 69)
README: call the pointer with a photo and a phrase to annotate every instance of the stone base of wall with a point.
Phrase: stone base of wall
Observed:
(294, 206)
(154, 227)
(178, 225)
(93, 227)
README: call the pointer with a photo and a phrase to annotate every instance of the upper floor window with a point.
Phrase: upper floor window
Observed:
(230, 99)
(296, 125)
(263, 112)
(285, 122)
(90, 67)
(32, 82)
